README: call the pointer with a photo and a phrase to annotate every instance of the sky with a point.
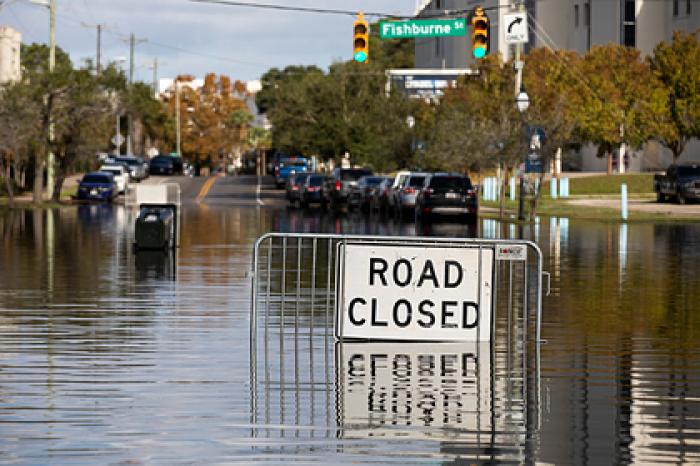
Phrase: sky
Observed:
(197, 38)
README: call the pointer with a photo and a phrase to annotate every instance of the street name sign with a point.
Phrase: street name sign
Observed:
(516, 28)
(423, 28)
(414, 293)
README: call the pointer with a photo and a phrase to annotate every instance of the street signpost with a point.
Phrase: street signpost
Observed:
(423, 28)
(118, 140)
(516, 28)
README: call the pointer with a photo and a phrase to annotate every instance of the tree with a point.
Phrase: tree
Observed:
(213, 119)
(677, 66)
(621, 101)
(18, 128)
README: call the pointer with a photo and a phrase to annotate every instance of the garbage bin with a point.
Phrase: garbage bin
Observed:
(155, 228)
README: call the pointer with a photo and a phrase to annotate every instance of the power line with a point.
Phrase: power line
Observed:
(271, 6)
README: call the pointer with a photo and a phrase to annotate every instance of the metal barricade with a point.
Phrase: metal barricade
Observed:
(299, 373)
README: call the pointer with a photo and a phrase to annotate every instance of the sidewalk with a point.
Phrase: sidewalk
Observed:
(70, 187)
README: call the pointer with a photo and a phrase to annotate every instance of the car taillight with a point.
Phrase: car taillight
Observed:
(312, 189)
(471, 193)
(295, 188)
(409, 190)
(428, 191)
(337, 185)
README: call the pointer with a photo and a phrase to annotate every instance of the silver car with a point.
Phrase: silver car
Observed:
(136, 165)
(407, 192)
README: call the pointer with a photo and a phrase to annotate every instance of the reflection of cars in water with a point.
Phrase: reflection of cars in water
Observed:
(97, 186)
(446, 195)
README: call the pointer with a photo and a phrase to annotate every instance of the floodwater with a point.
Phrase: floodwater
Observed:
(107, 357)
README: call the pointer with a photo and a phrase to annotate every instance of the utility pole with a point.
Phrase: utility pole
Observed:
(130, 133)
(50, 175)
(99, 48)
(155, 77)
(177, 118)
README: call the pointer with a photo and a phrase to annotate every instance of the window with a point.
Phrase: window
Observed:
(575, 16)
(438, 4)
(675, 7)
(629, 23)
(587, 15)
(688, 8)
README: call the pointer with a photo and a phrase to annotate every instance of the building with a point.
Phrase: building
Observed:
(573, 25)
(562, 24)
(10, 45)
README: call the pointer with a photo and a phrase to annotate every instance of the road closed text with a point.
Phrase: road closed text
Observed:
(415, 293)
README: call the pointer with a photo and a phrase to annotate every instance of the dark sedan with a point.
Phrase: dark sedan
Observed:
(446, 194)
(162, 165)
(311, 190)
(97, 186)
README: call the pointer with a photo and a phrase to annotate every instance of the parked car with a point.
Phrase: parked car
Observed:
(446, 194)
(120, 174)
(681, 182)
(393, 194)
(311, 190)
(295, 184)
(162, 165)
(380, 196)
(290, 166)
(136, 165)
(361, 194)
(338, 187)
(407, 192)
(97, 186)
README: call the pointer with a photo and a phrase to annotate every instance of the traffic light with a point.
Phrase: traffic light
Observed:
(480, 33)
(360, 37)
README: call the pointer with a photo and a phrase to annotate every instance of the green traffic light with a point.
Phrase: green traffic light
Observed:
(360, 57)
(479, 52)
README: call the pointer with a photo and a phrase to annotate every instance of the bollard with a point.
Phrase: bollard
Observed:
(512, 188)
(623, 201)
(564, 187)
(553, 188)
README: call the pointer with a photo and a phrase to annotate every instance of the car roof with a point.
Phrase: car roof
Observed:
(99, 173)
(108, 166)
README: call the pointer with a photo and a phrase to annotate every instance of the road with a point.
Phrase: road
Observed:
(243, 190)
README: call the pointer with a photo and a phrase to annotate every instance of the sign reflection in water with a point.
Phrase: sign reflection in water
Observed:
(397, 389)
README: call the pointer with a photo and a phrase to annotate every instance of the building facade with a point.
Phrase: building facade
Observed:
(10, 45)
(572, 25)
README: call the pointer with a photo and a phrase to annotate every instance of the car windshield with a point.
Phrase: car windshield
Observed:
(450, 182)
(115, 170)
(130, 162)
(416, 181)
(353, 175)
(374, 180)
(316, 181)
(161, 161)
(97, 179)
(691, 170)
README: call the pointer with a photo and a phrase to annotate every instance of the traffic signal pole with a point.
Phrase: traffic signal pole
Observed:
(518, 88)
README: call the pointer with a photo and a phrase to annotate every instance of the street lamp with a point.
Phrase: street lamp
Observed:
(522, 102)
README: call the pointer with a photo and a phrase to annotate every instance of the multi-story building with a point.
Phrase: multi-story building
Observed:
(10, 44)
(573, 25)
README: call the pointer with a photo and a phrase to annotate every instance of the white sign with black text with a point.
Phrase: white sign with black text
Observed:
(515, 28)
(415, 293)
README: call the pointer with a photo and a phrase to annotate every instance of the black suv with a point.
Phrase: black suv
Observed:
(339, 186)
(446, 194)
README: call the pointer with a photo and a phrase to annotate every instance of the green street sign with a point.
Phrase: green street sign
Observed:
(422, 28)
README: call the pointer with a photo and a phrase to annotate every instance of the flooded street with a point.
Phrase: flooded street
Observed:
(107, 357)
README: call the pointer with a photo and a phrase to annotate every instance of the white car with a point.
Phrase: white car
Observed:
(120, 173)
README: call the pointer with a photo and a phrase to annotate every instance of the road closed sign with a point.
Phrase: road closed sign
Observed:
(414, 293)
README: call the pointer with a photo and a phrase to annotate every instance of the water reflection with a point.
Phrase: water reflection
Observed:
(105, 358)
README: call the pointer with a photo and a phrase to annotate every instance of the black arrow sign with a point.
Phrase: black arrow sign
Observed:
(517, 20)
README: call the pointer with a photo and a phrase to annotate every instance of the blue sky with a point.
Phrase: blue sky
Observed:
(196, 38)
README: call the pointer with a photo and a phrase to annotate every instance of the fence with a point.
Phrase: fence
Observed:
(305, 383)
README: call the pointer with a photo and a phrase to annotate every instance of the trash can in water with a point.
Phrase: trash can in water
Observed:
(155, 228)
